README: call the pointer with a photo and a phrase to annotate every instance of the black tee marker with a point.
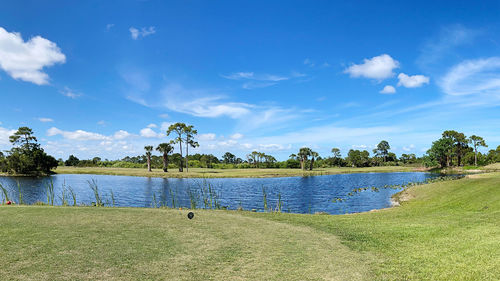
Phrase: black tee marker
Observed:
(190, 215)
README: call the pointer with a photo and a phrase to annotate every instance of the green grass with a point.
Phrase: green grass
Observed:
(227, 173)
(446, 231)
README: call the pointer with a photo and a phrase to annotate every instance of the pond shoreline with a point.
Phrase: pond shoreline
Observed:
(234, 173)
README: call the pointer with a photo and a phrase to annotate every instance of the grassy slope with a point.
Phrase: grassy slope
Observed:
(448, 231)
(225, 173)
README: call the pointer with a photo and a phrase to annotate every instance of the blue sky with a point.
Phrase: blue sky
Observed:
(105, 78)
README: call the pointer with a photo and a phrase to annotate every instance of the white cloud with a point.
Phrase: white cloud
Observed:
(379, 67)
(164, 116)
(409, 148)
(76, 135)
(388, 90)
(473, 77)
(206, 137)
(236, 136)
(5, 134)
(149, 133)
(67, 92)
(101, 123)
(45, 120)
(143, 32)
(152, 126)
(121, 134)
(413, 81)
(164, 126)
(109, 26)
(26, 60)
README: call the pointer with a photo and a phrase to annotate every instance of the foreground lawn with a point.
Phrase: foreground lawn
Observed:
(446, 231)
(75, 243)
(226, 173)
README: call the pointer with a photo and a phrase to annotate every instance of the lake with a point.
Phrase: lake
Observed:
(298, 194)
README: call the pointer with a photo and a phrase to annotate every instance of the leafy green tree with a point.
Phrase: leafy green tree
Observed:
(441, 151)
(72, 161)
(358, 158)
(382, 150)
(96, 160)
(148, 149)
(26, 157)
(165, 149)
(179, 129)
(477, 142)
(459, 147)
(228, 158)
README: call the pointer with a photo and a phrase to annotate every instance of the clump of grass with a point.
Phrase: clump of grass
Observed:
(49, 187)
(264, 198)
(279, 204)
(98, 200)
(73, 195)
(5, 194)
(20, 193)
(112, 197)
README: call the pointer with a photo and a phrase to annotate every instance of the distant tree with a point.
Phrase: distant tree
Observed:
(148, 149)
(24, 138)
(459, 145)
(189, 132)
(477, 142)
(165, 149)
(72, 161)
(229, 158)
(96, 160)
(179, 130)
(303, 155)
(337, 157)
(382, 150)
(441, 151)
(358, 158)
(314, 155)
(27, 157)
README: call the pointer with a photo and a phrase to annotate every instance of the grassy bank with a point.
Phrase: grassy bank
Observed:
(227, 173)
(446, 231)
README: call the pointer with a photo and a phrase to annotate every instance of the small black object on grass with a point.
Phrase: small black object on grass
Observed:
(190, 215)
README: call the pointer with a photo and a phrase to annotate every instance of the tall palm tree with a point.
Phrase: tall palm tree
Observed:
(148, 149)
(303, 154)
(314, 155)
(166, 149)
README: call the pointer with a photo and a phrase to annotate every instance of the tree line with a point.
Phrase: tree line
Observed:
(452, 149)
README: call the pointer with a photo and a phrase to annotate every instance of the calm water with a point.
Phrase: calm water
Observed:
(298, 194)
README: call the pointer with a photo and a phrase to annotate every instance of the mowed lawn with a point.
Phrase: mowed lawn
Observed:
(226, 173)
(446, 231)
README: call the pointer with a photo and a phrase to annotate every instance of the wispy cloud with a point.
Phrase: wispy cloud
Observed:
(45, 120)
(67, 92)
(143, 32)
(441, 46)
(26, 60)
